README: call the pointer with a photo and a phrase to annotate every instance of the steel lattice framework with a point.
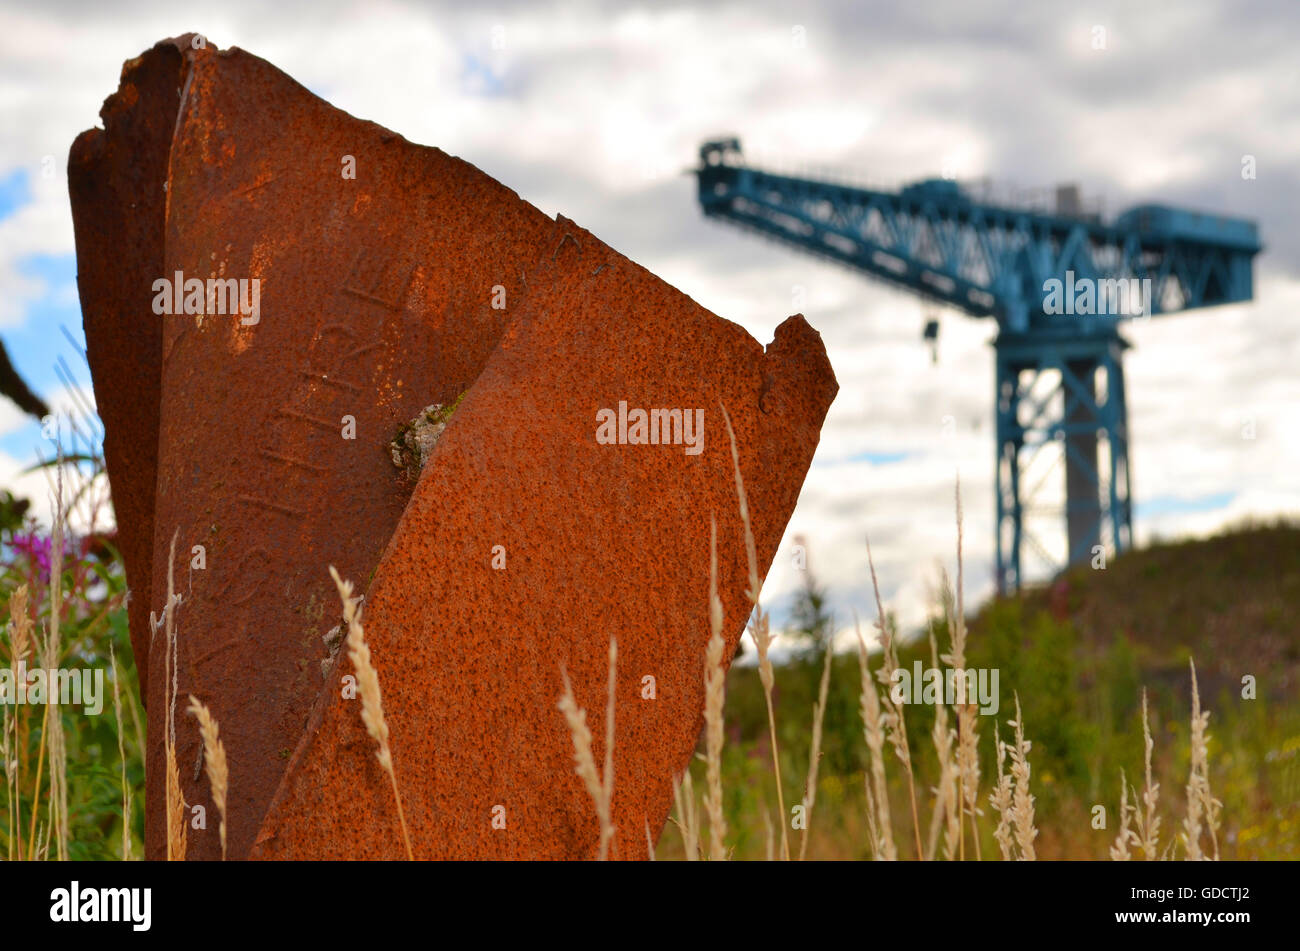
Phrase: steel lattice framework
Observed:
(1058, 283)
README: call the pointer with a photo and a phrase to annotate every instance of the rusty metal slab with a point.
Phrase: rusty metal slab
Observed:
(385, 274)
(528, 542)
(116, 182)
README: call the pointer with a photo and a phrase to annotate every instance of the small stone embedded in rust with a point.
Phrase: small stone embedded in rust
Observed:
(543, 524)
(414, 442)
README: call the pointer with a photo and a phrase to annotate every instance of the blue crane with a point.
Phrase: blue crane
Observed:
(1058, 282)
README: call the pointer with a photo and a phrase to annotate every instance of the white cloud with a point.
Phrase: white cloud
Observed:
(590, 111)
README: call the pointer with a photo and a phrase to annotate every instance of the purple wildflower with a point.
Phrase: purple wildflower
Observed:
(37, 548)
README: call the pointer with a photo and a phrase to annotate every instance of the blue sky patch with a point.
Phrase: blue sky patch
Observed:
(874, 457)
(14, 192)
(879, 458)
(478, 78)
(1177, 505)
(38, 345)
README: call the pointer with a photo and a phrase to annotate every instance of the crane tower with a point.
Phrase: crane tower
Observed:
(1058, 282)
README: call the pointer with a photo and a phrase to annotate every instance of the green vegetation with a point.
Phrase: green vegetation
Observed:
(1078, 653)
(82, 815)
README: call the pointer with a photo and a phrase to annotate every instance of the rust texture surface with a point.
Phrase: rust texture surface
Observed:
(271, 437)
(599, 540)
(116, 179)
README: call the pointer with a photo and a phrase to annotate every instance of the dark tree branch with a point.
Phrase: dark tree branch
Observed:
(12, 386)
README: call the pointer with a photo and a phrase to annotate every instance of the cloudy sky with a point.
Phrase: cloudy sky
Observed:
(595, 111)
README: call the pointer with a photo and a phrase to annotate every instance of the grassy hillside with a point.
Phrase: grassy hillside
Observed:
(1233, 602)
(1078, 654)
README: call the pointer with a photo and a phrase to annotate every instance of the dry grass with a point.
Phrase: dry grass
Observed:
(715, 687)
(946, 816)
(600, 786)
(968, 760)
(8, 755)
(53, 651)
(893, 719)
(814, 755)
(957, 750)
(877, 788)
(1148, 821)
(372, 706)
(173, 797)
(1126, 836)
(1202, 807)
(121, 755)
(759, 630)
(20, 624)
(214, 758)
(687, 819)
(1000, 800)
(883, 721)
(20, 635)
(955, 809)
(1022, 801)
